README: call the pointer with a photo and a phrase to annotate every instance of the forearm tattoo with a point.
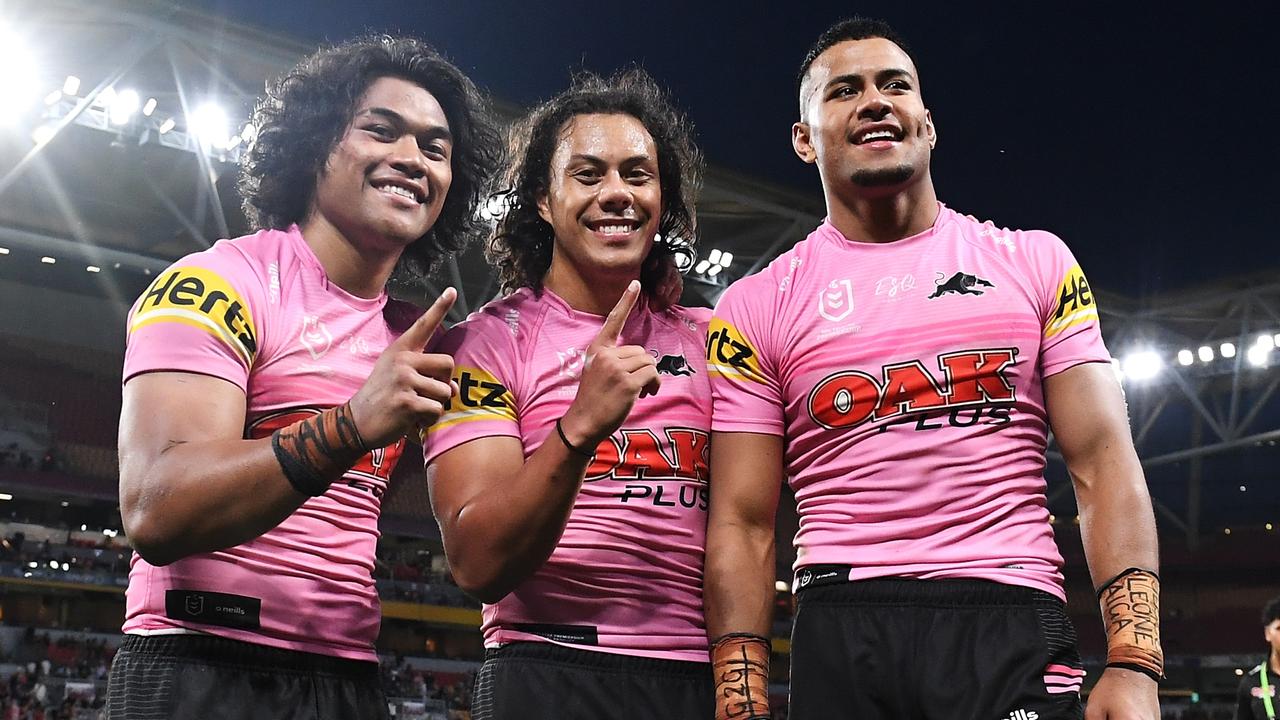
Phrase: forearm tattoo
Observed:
(740, 666)
(1131, 611)
(316, 451)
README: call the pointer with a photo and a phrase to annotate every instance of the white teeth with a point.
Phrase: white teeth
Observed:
(878, 135)
(612, 229)
(396, 189)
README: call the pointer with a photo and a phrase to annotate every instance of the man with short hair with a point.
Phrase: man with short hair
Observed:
(269, 382)
(1256, 698)
(902, 367)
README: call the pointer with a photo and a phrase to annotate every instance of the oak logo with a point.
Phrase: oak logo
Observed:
(970, 377)
(203, 299)
(637, 458)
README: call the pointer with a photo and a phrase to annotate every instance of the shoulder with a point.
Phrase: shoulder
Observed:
(1013, 243)
(692, 318)
(503, 322)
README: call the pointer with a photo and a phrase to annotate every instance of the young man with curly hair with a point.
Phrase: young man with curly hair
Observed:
(902, 368)
(269, 383)
(569, 475)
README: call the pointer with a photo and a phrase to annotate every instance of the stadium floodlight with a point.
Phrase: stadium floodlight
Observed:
(18, 89)
(71, 85)
(1205, 353)
(1185, 358)
(781, 586)
(48, 260)
(1227, 349)
(4, 251)
(1142, 365)
(123, 106)
(702, 266)
(1276, 339)
(714, 270)
(167, 125)
(1258, 355)
(52, 98)
(726, 259)
(149, 107)
(208, 125)
(5, 496)
(714, 257)
(43, 133)
(1266, 341)
(93, 269)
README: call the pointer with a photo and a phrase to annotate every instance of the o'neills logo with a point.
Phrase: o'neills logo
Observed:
(971, 377)
(203, 299)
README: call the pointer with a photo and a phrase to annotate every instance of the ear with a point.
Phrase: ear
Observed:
(802, 142)
(544, 207)
(930, 130)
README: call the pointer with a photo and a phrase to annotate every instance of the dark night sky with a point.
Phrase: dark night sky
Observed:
(1143, 136)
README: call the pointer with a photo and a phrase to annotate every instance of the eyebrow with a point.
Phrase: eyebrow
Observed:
(881, 76)
(600, 161)
(431, 132)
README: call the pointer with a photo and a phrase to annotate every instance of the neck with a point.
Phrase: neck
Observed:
(884, 218)
(597, 295)
(360, 269)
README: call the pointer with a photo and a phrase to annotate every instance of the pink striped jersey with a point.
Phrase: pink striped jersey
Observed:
(626, 576)
(259, 312)
(906, 379)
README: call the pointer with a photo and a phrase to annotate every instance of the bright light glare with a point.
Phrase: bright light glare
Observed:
(702, 266)
(52, 98)
(149, 107)
(714, 257)
(123, 106)
(71, 85)
(1185, 358)
(167, 125)
(1257, 355)
(1228, 350)
(726, 259)
(1143, 365)
(781, 586)
(1205, 353)
(1266, 341)
(48, 260)
(714, 270)
(248, 132)
(43, 133)
(208, 124)
(18, 89)
(93, 268)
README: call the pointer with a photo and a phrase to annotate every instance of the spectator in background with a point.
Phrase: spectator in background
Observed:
(1256, 698)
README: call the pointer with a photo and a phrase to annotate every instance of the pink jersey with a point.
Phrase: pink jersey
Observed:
(259, 312)
(907, 379)
(627, 575)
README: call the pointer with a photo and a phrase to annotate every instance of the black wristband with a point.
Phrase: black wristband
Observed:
(1137, 668)
(301, 476)
(1128, 571)
(588, 454)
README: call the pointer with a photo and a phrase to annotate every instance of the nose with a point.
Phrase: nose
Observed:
(874, 105)
(406, 157)
(614, 193)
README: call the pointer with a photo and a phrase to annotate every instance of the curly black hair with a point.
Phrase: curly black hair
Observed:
(305, 113)
(854, 28)
(521, 245)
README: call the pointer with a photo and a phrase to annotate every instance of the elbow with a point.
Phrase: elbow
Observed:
(147, 535)
(486, 586)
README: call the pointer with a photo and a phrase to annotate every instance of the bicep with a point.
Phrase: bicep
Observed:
(746, 477)
(1087, 412)
(464, 473)
(163, 409)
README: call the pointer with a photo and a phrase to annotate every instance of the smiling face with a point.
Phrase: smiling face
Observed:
(604, 197)
(385, 181)
(863, 121)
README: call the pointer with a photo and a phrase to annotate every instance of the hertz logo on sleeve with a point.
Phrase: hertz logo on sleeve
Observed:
(480, 397)
(729, 355)
(1076, 304)
(200, 298)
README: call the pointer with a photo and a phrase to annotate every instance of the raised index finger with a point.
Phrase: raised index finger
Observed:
(617, 317)
(420, 332)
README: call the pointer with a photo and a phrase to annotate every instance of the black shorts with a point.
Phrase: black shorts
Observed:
(900, 649)
(193, 677)
(543, 681)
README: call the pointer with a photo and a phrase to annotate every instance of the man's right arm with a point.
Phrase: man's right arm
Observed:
(746, 477)
(189, 481)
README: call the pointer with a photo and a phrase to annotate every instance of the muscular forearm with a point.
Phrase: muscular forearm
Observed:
(500, 537)
(738, 582)
(202, 496)
(1117, 524)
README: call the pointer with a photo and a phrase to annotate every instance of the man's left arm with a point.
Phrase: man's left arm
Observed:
(1088, 416)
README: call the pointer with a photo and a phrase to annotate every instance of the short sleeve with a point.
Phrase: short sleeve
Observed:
(484, 357)
(746, 394)
(1071, 331)
(201, 315)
